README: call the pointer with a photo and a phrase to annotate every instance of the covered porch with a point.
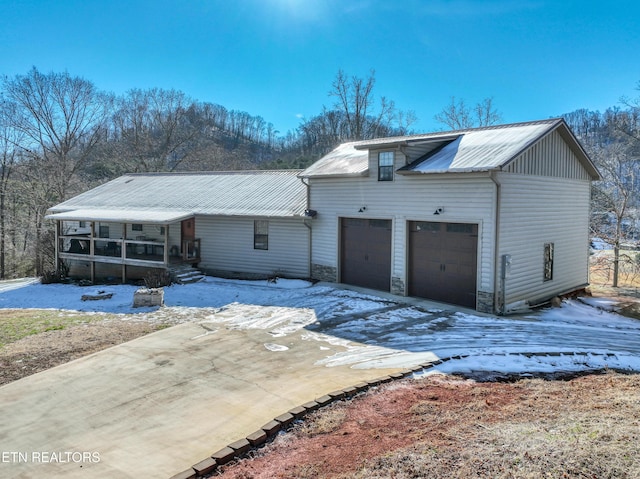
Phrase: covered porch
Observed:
(124, 244)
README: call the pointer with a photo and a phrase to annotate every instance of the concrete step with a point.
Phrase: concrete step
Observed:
(186, 274)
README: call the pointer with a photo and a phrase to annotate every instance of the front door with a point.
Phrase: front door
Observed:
(188, 233)
(189, 229)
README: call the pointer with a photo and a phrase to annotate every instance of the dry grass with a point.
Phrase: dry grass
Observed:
(601, 269)
(440, 428)
(16, 324)
(35, 340)
(551, 429)
(329, 421)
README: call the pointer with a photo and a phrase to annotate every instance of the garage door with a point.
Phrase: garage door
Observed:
(365, 253)
(443, 261)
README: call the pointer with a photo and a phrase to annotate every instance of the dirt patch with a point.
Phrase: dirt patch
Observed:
(447, 427)
(45, 350)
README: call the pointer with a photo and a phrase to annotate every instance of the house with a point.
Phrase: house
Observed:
(493, 218)
(248, 223)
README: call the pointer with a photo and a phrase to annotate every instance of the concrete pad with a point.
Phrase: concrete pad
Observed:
(157, 405)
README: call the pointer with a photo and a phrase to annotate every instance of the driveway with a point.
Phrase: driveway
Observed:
(248, 353)
(159, 404)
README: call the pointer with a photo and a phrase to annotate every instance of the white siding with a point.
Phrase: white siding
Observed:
(465, 199)
(536, 210)
(227, 245)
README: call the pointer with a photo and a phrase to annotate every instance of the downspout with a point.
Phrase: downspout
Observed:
(499, 285)
(308, 225)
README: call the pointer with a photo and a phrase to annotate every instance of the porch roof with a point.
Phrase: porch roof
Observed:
(161, 217)
(161, 197)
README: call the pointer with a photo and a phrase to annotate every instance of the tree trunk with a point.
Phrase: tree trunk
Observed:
(2, 234)
(616, 263)
(616, 251)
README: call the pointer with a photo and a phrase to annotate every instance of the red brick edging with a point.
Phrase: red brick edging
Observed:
(283, 422)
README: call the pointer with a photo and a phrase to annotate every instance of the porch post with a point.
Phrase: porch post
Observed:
(123, 249)
(92, 248)
(123, 252)
(166, 245)
(57, 248)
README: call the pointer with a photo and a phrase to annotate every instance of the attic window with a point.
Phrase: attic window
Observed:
(385, 166)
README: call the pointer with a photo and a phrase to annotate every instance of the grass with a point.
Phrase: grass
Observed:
(329, 421)
(601, 268)
(16, 324)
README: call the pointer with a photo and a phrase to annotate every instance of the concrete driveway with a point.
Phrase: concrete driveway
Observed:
(159, 404)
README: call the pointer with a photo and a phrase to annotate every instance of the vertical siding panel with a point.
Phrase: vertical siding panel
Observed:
(227, 245)
(539, 210)
(550, 157)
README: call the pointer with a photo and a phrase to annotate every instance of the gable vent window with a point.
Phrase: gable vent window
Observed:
(548, 261)
(385, 166)
(260, 234)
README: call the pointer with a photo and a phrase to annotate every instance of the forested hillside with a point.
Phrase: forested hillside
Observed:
(60, 135)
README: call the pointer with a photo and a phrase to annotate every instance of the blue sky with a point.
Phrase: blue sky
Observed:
(278, 58)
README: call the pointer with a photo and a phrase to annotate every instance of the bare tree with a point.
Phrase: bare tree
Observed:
(153, 130)
(354, 98)
(612, 197)
(61, 119)
(356, 101)
(10, 140)
(459, 116)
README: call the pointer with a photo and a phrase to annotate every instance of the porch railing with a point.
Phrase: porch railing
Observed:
(139, 250)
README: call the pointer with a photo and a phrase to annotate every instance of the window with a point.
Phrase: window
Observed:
(103, 231)
(260, 234)
(385, 166)
(548, 261)
(82, 224)
(136, 227)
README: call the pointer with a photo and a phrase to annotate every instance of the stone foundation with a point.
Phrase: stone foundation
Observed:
(397, 286)
(484, 302)
(148, 297)
(324, 273)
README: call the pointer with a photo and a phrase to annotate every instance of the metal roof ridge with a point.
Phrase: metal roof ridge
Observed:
(292, 171)
(362, 144)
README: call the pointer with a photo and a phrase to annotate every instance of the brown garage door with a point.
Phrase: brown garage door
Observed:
(443, 261)
(365, 253)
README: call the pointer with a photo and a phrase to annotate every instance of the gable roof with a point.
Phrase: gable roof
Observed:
(168, 197)
(472, 150)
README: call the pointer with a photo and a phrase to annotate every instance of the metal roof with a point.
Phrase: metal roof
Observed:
(480, 150)
(167, 197)
(345, 160)
(472, 150)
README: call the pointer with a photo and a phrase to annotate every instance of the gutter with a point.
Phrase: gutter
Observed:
(499, 283)
(307, 223)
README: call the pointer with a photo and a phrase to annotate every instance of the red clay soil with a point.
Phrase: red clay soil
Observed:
(447, 415)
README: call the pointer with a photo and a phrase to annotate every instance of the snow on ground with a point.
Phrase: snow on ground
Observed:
(374, 332)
